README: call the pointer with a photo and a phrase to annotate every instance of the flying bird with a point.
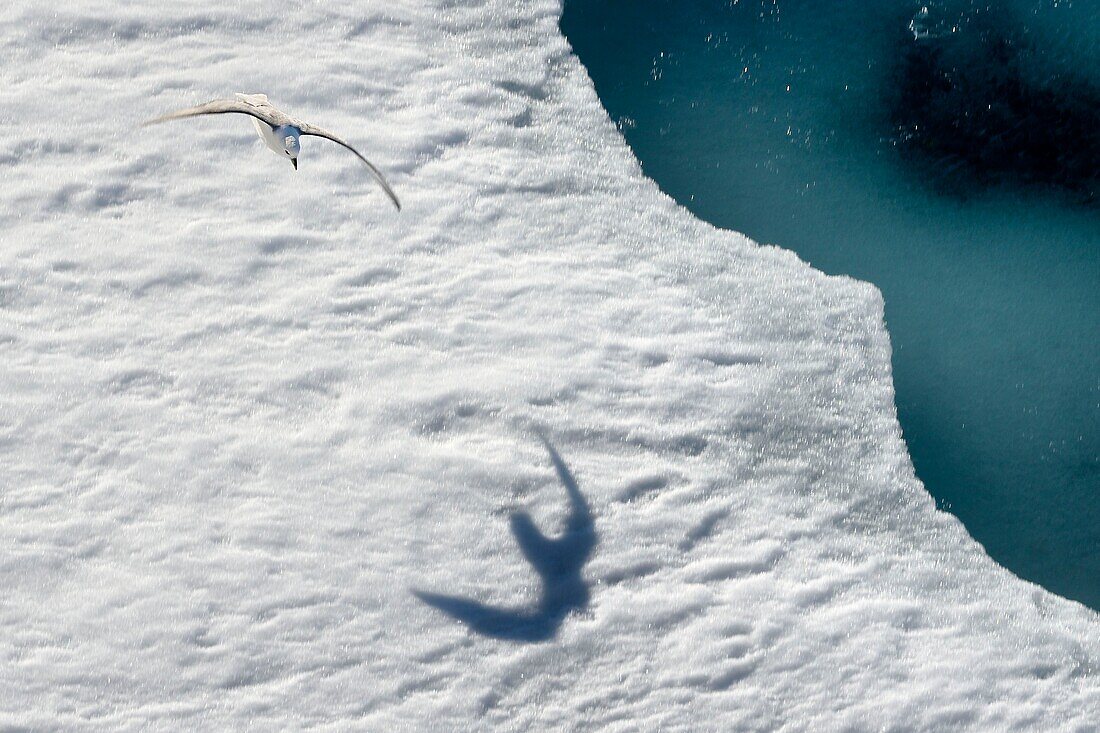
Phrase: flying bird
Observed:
(277, 129)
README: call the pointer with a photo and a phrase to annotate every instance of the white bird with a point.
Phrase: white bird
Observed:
(276, 128)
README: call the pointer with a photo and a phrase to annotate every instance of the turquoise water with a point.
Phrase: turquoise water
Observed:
(810, 125)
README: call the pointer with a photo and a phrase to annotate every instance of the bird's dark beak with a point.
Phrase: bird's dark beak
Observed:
(294, 162)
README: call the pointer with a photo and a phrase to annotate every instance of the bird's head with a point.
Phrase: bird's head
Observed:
(291, 148)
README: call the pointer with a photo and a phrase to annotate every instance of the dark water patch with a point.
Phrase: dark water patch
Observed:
(967, 105)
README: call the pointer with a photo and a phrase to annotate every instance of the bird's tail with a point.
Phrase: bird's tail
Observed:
(251, 98)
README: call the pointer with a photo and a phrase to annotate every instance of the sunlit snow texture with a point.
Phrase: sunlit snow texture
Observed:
(246, 413)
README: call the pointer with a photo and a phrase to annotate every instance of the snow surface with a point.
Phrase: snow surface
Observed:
(247, 413)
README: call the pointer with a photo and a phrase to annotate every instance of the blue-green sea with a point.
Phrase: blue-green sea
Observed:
(947, 152)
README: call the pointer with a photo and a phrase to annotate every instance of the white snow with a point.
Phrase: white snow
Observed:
(240, 423)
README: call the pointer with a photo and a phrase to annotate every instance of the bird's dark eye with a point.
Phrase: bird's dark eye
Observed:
(286, 151)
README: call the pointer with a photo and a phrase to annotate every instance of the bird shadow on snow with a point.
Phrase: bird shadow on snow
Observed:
(558, 563)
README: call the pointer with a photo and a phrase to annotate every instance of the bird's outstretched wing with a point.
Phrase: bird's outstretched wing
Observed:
(308, 129)
(267, 113)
